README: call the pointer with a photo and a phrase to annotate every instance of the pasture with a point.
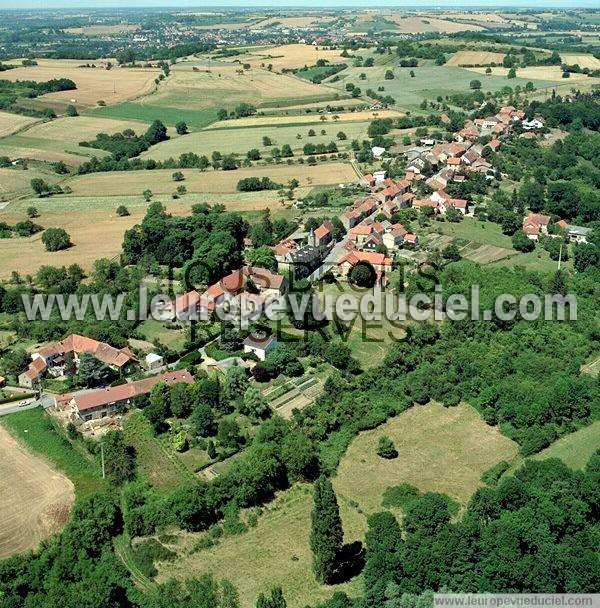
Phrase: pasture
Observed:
(242, 139)
(11, 123)
(35, 499)
(58, 140)
(16, 181)
(160, 182)
(429, 82)
(466, 58)
(274, 552)
(533, 73)
(227, 85)
(93, 84)
(440, 449)
(582, 60)
(576, 448)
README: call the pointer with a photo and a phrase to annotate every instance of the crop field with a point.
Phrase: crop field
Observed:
(290, 56)
(308, 119)
(430, 81)
(533, 73)
(93, 84)
(242, 139)
(96, 230)
(225, 86)
(275, 552)
(35, 499)
(439, 450)
(411, 24)
(292, 22)
(464, 58)
(11, 123)
(583, 61)
(160, 181)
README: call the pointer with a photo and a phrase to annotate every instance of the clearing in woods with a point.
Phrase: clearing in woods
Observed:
(440, 449)
(35, 499)
(465, 58)
(576, 448)
(161, 182)
(93, 84)
(11, 123)
(274, 552)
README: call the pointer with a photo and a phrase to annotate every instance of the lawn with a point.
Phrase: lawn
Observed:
(440, 449)
(156, 463)
(152, 329)
(275, 552)
(36, 429)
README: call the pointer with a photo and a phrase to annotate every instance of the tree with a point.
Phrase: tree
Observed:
(119, 458)
(236, 382)
(147, 194)
(511, 222)
(93, 372)
(72, 111)
(229, 435)
(451, 253)
(327, 535)
(56, 239)
(389, 75)
(267, 141)
(253, 154)
(229, 163)
(362, 275)
(342, 136)
(178, 176)
(159, 408)
(13, 362)
(286, 151)
(156, 133)
(521, 242)
(180, 399)
(475, 84)
(254, 404)
(386, 448)
(181, 128)
(40, 187)
(203, 420)
(512, 73)
(32, 212)
(122, 211)
(488, 70)
(263, 257)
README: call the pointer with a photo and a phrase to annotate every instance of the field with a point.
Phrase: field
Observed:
(439, 450)
(58, 139)
(290, 56)
(410, 24)
(155, 463)
(576, 448)
(11, 123)
(103, 30)
(533, 73)
(95, 228)
(430, 81)
(36, 430)
(35, 499)
(275, 552)
(583, 61)
(230, 140)
(93, 84)
(17, 180)
(462, 58)
(224, 86)
(160, 181)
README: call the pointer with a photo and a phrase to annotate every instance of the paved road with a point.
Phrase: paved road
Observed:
(44, 401)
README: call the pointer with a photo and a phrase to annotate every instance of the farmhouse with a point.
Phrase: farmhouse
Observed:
(379, 261)
(536, 224)
(62, 358)
(105, 402)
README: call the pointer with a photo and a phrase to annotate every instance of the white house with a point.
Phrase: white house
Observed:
(261, 347)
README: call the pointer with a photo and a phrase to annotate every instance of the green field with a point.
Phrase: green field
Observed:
(430, 81)
(576, 448)
(240, 140)
(155, 461)
(38, 432)
(195, 119)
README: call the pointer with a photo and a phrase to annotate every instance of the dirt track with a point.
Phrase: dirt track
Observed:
(35, 500)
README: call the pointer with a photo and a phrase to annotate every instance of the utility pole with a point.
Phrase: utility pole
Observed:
(102, 454)
(560, 255)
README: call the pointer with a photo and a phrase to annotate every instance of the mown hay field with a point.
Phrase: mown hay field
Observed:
(544, 72)
(15, 181)
(583, 61)
(93, 84)
(290, 56)
(464, 58)
(10, 123)
(35, 499)
(224, 86)
(161, 182)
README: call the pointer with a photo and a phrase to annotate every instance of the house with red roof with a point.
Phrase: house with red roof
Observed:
(379, 261)
(536, 224)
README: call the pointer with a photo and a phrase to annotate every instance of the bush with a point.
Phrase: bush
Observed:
(400, 496)
(149, 551)
(386, 448)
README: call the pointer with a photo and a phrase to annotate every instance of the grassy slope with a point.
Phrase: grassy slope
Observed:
(37, 431)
